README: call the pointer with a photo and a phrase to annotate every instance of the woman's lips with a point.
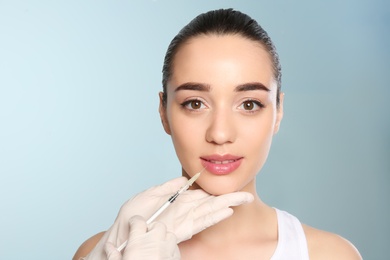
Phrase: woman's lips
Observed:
(221, 164)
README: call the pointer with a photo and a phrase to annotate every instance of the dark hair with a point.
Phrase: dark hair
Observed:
(221, 22)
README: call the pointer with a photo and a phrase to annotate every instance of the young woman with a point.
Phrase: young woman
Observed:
(221, 104)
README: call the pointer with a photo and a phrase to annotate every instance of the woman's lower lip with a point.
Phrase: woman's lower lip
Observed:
(219, 168)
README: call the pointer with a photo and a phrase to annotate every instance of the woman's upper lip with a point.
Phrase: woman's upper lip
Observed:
(217, 157)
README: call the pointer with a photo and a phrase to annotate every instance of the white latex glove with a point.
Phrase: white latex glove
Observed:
(153, 242)
(192, 212)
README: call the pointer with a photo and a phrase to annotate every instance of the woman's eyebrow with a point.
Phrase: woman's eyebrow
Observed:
(252, 86)
(206, 87)
(193, 86)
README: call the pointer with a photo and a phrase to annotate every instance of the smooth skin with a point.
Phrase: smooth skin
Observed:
(222, 100)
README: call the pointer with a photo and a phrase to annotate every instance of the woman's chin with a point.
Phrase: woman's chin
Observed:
(217, 190)
(225, 186)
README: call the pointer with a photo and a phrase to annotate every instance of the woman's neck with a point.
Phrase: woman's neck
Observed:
(252, 230)
(250, 220)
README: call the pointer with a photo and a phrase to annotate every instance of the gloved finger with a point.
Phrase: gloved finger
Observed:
(176, 254)
(158, 230)
(171, 246)
(170, 237)
(111, 252)
(161, 193)
(223, 201)
(236, 198)
(216, 209)
(162, 190)
(138, 226)
(193, 196)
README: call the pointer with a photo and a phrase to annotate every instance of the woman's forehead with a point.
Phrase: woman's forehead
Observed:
(228, 57)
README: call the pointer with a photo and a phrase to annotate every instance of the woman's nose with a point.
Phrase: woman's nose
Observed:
(221, 128)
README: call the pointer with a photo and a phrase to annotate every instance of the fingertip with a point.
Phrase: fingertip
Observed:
(134, 220)
(228, 212)
(111, 251)
(171, 237)
(108, 247)
(249, 197)
(137, 225)
(244, 197)
(157, 225)
(237, 198)
(158, 229)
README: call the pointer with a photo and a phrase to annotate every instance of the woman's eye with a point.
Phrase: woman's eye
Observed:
(193, 104)
(251, 105)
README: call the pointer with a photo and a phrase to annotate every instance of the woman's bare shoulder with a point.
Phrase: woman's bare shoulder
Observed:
(326, 245)
(87, 246)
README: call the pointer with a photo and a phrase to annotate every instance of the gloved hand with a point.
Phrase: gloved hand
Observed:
(146, 243)
(192, 212)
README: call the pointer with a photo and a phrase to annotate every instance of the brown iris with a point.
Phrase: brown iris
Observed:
(248, 105)
(196, 104)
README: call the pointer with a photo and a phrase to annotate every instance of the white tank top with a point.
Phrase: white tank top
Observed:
(292, 244)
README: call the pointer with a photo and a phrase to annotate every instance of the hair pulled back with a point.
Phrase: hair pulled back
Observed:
(221, 22)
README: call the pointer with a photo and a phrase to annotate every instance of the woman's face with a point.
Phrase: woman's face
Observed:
(221, 111)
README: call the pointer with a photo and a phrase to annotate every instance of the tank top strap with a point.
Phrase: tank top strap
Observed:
(292, 244)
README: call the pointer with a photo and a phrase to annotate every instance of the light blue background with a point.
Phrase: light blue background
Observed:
(80, 132)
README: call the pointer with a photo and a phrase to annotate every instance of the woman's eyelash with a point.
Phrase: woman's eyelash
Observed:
(257, 103)
(249, 105)
(192, 104)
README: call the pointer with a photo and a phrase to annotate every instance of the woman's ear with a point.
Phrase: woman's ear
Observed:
(279, 113)
(162, 109)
